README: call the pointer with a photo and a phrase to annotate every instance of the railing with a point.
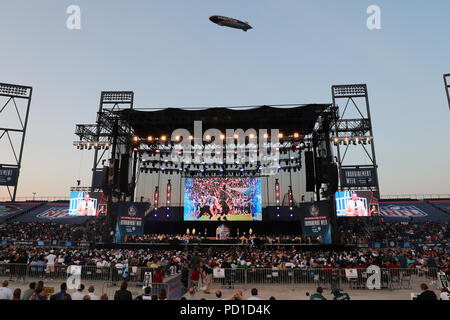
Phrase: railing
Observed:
(291, 277)
(132, 274)
(327, 278)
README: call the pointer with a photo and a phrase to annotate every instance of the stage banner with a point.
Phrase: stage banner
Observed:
(358, 177)
(8, 176)
(130, 219)
(315, 219)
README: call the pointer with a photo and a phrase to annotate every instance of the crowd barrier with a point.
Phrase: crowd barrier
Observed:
(62, 272)
(326, 278)
(135, 276)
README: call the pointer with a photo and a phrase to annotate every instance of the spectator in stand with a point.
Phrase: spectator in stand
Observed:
(162, 294)
(147, 295)
(5, 292)
(91, 290)
(41, 294)
(254, 295)
(339, 295)
(29, 292)
(59, 295)
(318, 295)
(191, 295)
(219, 295)
(445, 295)
(426, 293)
(16, 294)
(104, 297)
(78, 295)
(123, 293)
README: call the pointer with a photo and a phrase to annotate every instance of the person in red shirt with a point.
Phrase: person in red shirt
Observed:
(195, 276)
(16, 294)
(158, 276)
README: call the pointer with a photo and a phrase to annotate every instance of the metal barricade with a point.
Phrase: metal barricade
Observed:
(354, 278)
(14, 271)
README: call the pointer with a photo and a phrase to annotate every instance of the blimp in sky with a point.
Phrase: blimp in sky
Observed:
(230, 22)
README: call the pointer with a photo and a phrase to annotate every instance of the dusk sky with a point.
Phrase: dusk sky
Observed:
(170, 54)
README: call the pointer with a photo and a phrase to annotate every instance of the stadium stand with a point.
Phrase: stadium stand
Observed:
(441, 204)
(52, 211)
(9, 210)
(420, 211)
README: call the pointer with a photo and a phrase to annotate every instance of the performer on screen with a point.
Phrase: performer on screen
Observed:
(205, 208)
(223, 204)
(85, 206)
(355, 207)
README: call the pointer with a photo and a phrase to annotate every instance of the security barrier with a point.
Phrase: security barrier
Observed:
(327, 278)
(359, 278)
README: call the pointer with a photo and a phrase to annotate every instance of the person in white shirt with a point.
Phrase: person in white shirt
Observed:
(5, 292)
(445, 295)
(78, 295)
(254, 295)
(51, 262)
(91, 293)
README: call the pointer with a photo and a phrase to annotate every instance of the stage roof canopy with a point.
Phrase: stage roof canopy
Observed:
(298, 118)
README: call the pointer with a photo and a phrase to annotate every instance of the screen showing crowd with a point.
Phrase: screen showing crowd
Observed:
(356, 204)
(82, 204)
(223, 199)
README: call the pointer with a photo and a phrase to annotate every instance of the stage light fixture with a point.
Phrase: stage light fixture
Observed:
(156, 198)
(280, 135)
(163, 138)
(336, 141)
(222, 136)
(265, 135)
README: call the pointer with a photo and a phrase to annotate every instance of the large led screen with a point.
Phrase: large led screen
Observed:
(356, 204)
(222, 199)
(83, 204)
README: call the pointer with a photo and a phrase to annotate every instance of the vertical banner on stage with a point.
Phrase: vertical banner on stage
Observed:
(315, 219)
(130, 220)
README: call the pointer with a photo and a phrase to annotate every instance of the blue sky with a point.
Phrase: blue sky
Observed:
(170, 54)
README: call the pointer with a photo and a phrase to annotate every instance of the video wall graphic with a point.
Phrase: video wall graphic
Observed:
(222, 199)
